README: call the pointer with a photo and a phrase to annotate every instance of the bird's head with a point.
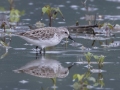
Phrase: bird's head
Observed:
(64, 33)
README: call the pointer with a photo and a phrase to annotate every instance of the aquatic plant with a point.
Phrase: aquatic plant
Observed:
(39, 24)
(51, 12)
(15, 15)
(80, 83)
(78, 76)
(99, 80)
(88, 56)
(85, 80)
(54, 81)
(100, 60)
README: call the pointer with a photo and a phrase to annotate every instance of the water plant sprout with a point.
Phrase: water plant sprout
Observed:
(51, 12)
(88, 57)
(100, 60)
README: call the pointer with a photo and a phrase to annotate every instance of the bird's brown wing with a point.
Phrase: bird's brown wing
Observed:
(42, 33)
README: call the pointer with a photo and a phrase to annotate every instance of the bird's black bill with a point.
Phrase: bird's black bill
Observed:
(71, 38)
(71, 66)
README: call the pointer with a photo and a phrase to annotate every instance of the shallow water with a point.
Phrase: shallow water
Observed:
(67, 52)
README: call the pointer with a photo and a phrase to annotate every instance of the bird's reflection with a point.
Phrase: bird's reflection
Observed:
(45, 68)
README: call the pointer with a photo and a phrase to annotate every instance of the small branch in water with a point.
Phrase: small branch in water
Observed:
(81, 29)
(84, 26)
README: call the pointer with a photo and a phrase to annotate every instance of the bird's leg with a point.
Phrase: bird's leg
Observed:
(36, 48)
(41, 51)
(36, 55)
(36, 52)
(44, 51)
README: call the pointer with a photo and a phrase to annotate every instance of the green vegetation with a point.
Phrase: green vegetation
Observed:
(15, 15)
(85, 80)
(100, 59)
(51, 12)
(88, 56)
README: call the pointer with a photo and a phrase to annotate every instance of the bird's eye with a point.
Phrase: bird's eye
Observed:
(65, 32)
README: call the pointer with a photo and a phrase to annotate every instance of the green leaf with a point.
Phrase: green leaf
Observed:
(88, 56)
(102, 83)
(78, 76)
(110, 26)
(96, 57)
(51, 12)
(56, 11)
(14, 15)
(101, 58)
(46, 9)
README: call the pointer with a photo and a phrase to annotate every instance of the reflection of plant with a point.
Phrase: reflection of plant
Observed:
(5, 54)
(84, 81)
(51, 12)
(88, 56)
(54, 81)
(78, 76)
(100, 80)
(80, 84)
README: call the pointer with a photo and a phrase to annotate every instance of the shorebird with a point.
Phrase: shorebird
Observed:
(46, 36)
